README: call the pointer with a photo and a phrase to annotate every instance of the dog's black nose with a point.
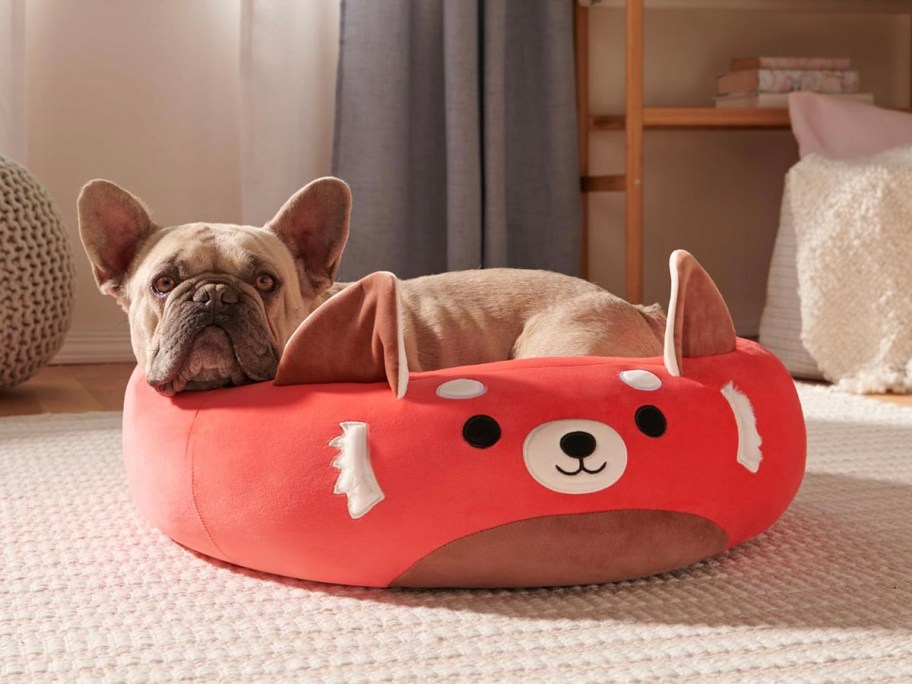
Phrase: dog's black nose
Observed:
(578, 444)
(216, 295)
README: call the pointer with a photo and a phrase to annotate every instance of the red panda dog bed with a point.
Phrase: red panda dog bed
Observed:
(534, 472)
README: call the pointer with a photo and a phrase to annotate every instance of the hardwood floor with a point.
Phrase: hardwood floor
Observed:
(100, 387)
(901, 399)
(69, 389)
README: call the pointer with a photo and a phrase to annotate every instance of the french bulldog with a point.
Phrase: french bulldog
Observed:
(212, 305)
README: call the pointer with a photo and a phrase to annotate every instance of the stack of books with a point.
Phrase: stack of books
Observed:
(767, 81)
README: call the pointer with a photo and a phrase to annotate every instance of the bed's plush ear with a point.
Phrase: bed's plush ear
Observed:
(698, 323)
(356, 336)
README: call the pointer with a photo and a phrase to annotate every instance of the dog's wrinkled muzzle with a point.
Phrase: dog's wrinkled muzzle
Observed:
(212, 334)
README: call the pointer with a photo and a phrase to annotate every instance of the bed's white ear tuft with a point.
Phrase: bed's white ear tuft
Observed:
(356, 336)
(698, 322)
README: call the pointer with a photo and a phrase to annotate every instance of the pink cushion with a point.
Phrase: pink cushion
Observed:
(842, 129)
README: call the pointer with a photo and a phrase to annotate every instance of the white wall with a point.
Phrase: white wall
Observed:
(716, 193)
(148, 94)
(287, 132)
(13, 123)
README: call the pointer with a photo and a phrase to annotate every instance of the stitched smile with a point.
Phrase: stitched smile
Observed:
(582, 469)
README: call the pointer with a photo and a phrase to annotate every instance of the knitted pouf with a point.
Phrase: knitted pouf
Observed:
(36, 276)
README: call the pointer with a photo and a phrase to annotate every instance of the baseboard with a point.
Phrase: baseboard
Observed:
(95, 346)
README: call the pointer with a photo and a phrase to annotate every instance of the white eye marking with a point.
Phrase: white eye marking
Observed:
(461, 388)
(641, 379)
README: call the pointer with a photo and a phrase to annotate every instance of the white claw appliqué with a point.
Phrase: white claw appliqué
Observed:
(357, 480)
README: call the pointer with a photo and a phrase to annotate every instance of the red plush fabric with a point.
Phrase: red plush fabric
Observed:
(246, 474)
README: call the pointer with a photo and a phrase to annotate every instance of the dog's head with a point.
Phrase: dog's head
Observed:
(212, 305)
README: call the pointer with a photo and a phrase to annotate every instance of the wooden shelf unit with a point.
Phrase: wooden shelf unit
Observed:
(697, 117)
(638, 118)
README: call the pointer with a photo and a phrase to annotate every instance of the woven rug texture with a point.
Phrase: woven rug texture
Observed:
(89, 592)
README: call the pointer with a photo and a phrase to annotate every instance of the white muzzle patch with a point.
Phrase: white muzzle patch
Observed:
(575, 456)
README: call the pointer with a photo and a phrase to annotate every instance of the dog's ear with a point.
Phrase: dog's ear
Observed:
(313, 224)
(698, 322)
(112, 225)
(356, 336)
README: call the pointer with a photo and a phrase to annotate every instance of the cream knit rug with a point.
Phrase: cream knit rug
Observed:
(88, 592)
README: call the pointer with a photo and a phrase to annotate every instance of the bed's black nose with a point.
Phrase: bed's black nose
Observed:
(578, 444)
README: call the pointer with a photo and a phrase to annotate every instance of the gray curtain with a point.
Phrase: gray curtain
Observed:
(456, 129)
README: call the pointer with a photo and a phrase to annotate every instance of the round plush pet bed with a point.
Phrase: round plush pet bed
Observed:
(532, 472)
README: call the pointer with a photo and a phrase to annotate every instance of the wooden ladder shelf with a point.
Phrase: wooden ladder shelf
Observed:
(635, 120)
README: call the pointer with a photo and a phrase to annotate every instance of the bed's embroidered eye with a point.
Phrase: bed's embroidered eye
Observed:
(164, 284)
(481, 432)
(651, 421)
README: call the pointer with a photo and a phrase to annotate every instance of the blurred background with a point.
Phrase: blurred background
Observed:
(218, 110)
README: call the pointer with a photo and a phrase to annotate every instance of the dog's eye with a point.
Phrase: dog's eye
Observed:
(651, 421)
(481, 432)
(265, 282)
(164, 284)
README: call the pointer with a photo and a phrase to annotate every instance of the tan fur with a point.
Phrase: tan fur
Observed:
(200, 252)
(467, 317)
(369, 331)
(449, 319)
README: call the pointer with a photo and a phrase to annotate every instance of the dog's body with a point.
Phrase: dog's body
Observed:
(468, 317)
(212, 305)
